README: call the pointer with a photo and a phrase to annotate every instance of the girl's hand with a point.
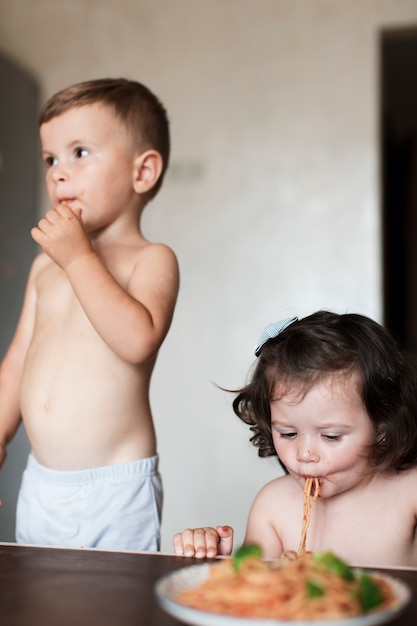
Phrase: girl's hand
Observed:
(206, 542)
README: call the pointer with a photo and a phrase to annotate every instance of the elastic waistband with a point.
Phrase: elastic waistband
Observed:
(127, 471)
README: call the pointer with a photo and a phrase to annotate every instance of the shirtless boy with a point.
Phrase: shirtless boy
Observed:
(99, 302)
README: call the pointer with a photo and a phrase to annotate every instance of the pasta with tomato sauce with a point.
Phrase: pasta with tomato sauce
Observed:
(303, 588)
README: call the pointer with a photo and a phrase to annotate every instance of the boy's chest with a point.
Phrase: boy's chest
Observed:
(55, 295)
(60, 322)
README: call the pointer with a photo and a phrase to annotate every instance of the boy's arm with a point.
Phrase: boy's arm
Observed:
(12, 366)
(133, 321)
(10, 371)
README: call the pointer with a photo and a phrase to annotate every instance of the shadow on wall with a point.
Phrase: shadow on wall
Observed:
(19, 155)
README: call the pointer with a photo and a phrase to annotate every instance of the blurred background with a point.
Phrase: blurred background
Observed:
(290, 190)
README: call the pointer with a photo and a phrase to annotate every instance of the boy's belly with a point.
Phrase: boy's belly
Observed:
(83, 407)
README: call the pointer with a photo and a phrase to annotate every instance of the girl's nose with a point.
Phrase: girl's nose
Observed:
(306, 455)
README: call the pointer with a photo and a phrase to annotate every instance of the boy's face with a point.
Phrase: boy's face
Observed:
(325, 433)
(89, 164)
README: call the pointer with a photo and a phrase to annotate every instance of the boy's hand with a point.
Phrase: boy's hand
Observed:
(62, 236)
(204, 542)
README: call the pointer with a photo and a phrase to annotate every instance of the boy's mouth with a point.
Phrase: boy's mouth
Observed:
(67, 201)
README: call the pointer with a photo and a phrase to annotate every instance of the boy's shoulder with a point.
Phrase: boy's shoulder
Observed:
(153, 269)
(152, 247)
(138, 255)
(157, 254)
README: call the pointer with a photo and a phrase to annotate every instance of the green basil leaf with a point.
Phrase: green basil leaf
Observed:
(369, 592)
(314, 589)
(331, 563)
(250, 550)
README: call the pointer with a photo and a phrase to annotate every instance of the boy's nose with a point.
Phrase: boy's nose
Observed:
(59, 173)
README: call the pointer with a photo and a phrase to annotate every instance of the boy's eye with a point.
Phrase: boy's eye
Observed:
(50, 161)
(80, 153)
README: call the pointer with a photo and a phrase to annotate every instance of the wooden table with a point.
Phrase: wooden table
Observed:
(65, 587)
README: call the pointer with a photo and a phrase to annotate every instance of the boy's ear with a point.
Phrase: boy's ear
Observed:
(147, 168)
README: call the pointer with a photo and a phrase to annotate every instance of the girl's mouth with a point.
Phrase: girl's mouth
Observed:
(316, 487)
(316, 483)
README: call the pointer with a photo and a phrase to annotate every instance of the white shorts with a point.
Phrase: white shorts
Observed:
(117, 507)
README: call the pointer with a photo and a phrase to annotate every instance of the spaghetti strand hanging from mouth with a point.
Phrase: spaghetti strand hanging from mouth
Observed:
(310, 496)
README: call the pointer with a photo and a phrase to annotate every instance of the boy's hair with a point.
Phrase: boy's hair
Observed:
(313, 349)
(133, 103)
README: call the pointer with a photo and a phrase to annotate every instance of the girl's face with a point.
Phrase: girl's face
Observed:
(325, 433)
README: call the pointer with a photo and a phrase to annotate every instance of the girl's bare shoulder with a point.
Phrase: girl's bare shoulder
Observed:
(281, 487)
(398, 490)
(399, 486)
(402, 477)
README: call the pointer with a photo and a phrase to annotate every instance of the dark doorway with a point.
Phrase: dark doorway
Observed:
(399, 182)
(19, 156)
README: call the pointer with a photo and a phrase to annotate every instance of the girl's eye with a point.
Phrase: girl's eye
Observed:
(332, 437)
(288, 435)
(80, 153)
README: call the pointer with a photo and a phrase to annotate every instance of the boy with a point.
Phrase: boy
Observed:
(99, 302)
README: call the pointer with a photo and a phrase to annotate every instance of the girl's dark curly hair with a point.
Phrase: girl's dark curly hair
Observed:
(324, 343)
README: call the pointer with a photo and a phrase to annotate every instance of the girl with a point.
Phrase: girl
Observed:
(334, 397)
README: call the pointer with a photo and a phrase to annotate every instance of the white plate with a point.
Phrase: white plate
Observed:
(169, 586)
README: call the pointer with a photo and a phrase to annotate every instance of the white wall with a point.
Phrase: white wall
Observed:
(272, 203)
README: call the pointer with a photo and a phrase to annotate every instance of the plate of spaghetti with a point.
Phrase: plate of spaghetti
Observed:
(316, 587)
(301, 587)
